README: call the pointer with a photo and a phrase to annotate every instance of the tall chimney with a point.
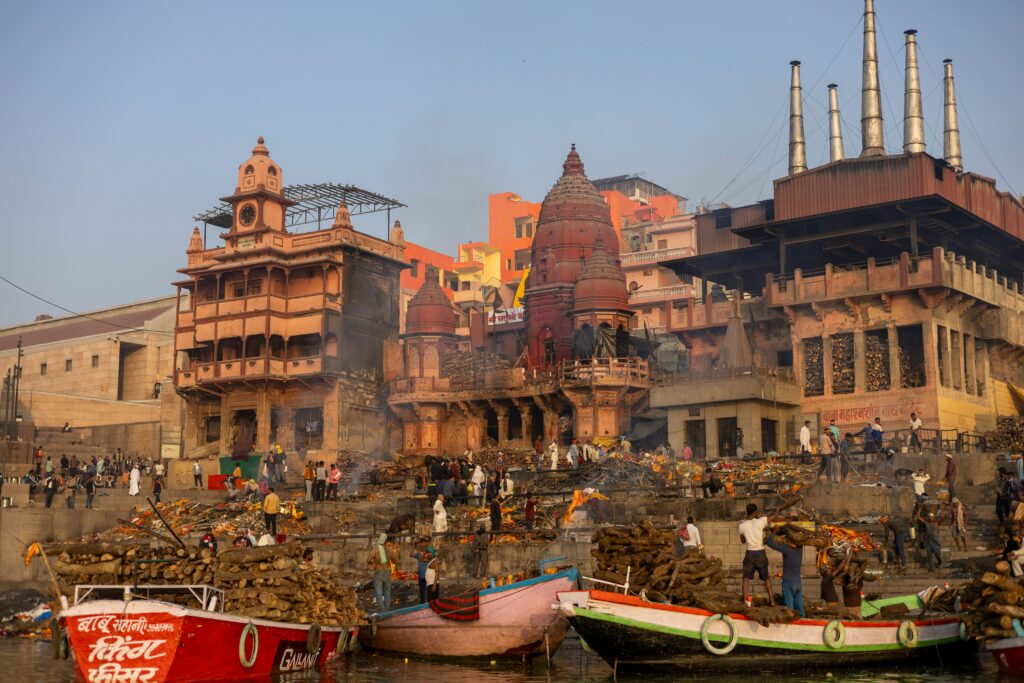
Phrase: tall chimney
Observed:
(872, 130)
(797, 151)
(835, 130)
(951, 132)
(913, 119)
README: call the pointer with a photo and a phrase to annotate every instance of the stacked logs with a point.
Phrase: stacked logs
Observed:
(814, 377)
(271, 582)
(843, 376)
(1008, 434)
(657, 574)
(876, 357)
(994, 601)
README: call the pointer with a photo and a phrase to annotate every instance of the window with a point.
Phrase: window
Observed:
(662, 244)
(524, 226)
(237, 290)
(67, 365)
(522, 260)
(508, 264)
(414, 269)
(95, 361)
(42, 368)
(464, 285)
(650, 238)
(272, 170)
(255, 287)
(723, 219)
(249, 169)
(529, 229)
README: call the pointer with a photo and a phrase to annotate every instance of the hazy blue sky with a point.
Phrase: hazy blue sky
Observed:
(121, 120)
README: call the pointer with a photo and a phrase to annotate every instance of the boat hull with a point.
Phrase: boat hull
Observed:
(516, 621)
(632, 635)
(148, 641)
(1009, 654)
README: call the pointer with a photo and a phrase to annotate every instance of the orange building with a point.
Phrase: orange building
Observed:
(420, 259)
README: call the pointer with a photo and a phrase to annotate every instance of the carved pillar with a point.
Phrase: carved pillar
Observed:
(947, 367)
(262, 420)
(826, 362)
(859, 361)
(895, 376)
(226, 423)
(550, 426)
(502, 413)
(526, 418)
(970, 374)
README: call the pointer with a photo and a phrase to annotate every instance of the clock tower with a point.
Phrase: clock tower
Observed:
(259, 202)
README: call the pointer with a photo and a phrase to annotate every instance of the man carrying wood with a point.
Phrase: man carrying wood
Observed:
(755, 560)
(480, 542)
(382, 556)
(792, 562)
(271, 508)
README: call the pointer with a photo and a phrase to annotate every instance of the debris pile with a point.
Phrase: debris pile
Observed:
(188, 517)
(993, 602)
(1007, 436)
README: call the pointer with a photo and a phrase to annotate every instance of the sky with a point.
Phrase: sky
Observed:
(122, 120)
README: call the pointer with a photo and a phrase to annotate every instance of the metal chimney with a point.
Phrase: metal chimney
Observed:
(872, 130)
(951, 132)
(913, 118)
(797, 150)
(835, 130)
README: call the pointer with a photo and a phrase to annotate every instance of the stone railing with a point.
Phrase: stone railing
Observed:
(655, 255)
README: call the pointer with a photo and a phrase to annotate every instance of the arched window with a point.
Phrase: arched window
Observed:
(272, 170)
(249, 169)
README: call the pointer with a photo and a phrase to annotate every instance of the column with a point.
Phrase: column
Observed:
(262, 420)
(859, 362)
(930, 344)
(526, 419)
(826, 362)
(981, 367)
(956, 357)
(947, 368)
(550, 426)
(798, 361)
(970, 373)
(895, 375)
(225, 425)
(502, 413)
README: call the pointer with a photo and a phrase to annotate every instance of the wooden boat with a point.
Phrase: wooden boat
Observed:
(517, 620)
(140, 640)
(1009, 654)
(633, 634)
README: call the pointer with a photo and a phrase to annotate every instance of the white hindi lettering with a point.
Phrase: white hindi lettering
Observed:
(121, 648)
(115, 673)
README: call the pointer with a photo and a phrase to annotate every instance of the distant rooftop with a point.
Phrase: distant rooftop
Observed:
(632, 185)
(313, 204)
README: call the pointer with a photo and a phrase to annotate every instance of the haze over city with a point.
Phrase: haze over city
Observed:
(122, 121)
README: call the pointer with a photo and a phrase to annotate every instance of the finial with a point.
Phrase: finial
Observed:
(572, 164)
(259, 140)
(573, 147)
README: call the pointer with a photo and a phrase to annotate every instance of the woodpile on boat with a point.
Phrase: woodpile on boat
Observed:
(1008, 434)
(270, 582)
(993, 601)
(656, 573)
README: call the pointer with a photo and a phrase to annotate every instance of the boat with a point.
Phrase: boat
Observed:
(518, 620)
(1008, 653)
(632, 634)
(120, 633)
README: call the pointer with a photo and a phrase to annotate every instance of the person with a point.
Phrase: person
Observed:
(281, 460)
(271, 508)
(90, 492)
(495, 515)
(920, 478)
(50, 486)
(853, 588)
(805, 438)
(158, 488)
(958, 522)
(792, 583)
(829, 571)
(826, 451)
(433, 577)
(845, 451)
(688, 537)
(507, 486)
(66, 429)
(553, 454)
(834, 433)
(382, 556)
(237, 472)
(462, 492)
(134, 480)
(158, 468)
(950, 475)
(478, 480)
(490, 490)
(933, 546)
(755, 560)
(308, 477)
(49, 465)
(574, 454)
(423, 559)
(480, 542)
(877, 435)
(915, 433)
(197, 475)
(242, 540)
(687, 452)
(254, 492)
(710, 484)
(71, 489)
(320, 485)
(333, 479)
(1002, 494)
(440, 516)
(208, 541)
(899, 536)
(530, 512)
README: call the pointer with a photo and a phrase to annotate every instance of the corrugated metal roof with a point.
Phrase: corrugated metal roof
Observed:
(62, 329)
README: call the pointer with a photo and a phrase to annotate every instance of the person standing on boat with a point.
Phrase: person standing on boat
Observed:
(423, 559)
(755, 560)
(440, 516)
(382, 556)
(792, 583)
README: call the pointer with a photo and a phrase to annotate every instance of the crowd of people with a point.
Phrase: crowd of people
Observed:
(71, 476)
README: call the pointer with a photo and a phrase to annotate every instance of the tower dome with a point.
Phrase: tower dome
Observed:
(430, 311)
(259, 171)
(602, 284)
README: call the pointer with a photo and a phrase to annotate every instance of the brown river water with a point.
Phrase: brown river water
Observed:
(32, 660)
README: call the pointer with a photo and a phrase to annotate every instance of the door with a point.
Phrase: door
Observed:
(726, 437)
(769, 435)
(696, 436)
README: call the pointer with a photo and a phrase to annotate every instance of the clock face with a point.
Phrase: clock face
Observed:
(247, 215)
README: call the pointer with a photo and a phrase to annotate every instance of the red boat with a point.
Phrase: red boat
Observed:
(1009, 654)
(135, 639)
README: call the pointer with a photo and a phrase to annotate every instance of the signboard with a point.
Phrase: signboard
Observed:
(170, 450)
(505, 316)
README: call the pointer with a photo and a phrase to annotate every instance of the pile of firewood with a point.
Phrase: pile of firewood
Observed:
(1008, 434)
(657, 574)
(271, 582)
(993, 601)
(843, 376)
(814, 370)
(876, 362)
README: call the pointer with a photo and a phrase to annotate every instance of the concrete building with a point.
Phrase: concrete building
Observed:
(287, 337)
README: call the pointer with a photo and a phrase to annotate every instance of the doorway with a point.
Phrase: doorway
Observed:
(696, 436)
(726, 437)
(243, 433)
(769, 435)
(309, 428)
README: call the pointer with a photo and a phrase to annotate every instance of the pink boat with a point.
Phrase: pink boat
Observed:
(519, 620)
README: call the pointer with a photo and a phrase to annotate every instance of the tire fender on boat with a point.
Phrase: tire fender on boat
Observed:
(248, 659)
(964, 635)
(313, 638)
(907, 634)
(706, 628)
(834, 634)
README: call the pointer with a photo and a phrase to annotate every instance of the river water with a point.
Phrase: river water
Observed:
(32, 660)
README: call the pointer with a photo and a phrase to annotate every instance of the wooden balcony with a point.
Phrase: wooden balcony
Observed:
(262, 367)
(632, 372)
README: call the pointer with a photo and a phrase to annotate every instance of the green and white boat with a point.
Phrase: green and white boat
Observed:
(633, 634)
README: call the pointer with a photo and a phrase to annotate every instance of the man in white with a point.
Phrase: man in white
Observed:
(159, 468)
(915, 433)
(440, 516)
(755, 560)
(920, 479)
(553, 454)
(805, 437)
(197, 475)
(133, 481)
(691, 538)
(507, 486)
(479, 480)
